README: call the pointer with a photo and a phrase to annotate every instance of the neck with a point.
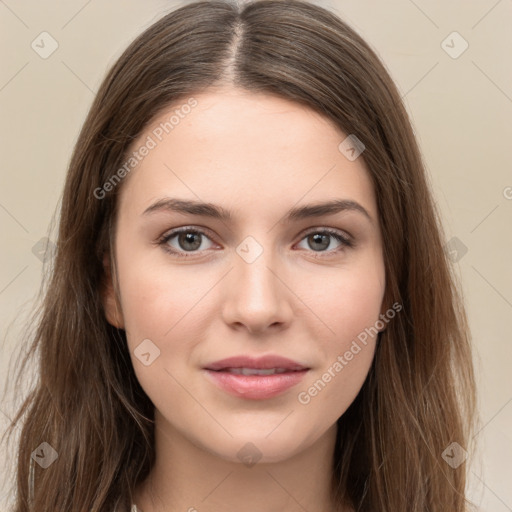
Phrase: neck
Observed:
(186, 477)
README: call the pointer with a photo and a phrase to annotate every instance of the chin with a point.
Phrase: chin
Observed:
(251, 446)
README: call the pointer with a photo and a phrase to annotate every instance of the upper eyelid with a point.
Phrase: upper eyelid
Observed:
(185, 229)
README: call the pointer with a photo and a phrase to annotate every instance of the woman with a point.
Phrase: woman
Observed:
(250, 306)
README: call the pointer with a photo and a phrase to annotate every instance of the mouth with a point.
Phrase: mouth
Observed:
(255, 371)
(255, 378)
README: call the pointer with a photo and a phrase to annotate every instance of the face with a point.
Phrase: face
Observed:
(289, 291)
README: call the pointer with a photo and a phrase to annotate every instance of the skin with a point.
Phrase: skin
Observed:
(257, 156)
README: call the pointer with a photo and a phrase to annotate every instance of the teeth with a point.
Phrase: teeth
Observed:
(256, 371)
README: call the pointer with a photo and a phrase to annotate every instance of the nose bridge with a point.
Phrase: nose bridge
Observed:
(257, 297)
(253, 266)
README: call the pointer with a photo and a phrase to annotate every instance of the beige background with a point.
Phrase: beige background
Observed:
(461, 109)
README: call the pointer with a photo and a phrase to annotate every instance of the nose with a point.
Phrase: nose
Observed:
(257, 297)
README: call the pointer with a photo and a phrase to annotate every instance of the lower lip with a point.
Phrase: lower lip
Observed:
(256, 387)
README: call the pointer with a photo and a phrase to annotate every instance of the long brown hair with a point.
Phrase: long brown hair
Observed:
(419, 396)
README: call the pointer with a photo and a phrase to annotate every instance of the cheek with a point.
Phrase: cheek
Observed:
(350, 304)
(350, 300)
(157, 298)
(326, 396)
(161, 310)
(347, 354)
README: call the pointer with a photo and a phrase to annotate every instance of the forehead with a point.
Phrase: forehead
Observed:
(232, 145)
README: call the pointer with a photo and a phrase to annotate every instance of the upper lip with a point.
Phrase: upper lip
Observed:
(262, 363)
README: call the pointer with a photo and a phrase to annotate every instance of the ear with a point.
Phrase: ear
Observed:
(108, 297)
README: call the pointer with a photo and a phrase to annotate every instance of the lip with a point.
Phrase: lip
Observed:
(255, 387)
(263, 362)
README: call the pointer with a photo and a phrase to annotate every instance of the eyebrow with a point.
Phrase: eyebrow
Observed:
(169, 204)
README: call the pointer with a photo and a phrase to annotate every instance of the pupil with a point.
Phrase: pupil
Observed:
(188, 238)
(317, 239)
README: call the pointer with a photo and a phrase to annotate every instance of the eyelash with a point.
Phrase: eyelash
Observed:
(162, 241)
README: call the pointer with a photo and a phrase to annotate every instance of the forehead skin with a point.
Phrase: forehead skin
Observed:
(256, 155)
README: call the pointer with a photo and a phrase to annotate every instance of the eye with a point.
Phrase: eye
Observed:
(190, 240)
(320, 239)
